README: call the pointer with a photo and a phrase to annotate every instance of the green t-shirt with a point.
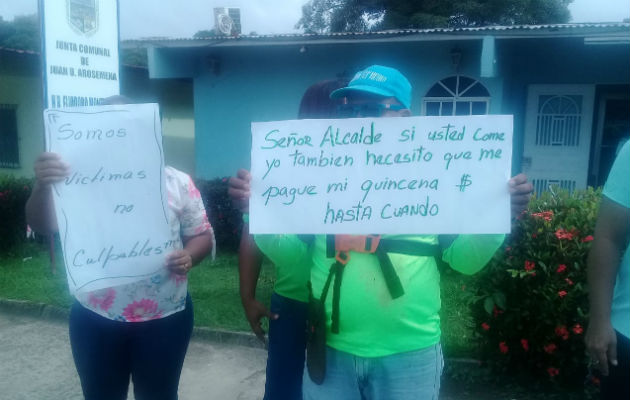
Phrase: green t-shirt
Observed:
(372, 324)
(291, 263)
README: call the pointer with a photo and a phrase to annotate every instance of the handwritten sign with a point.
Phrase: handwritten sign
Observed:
(418, 175)
(112, 208)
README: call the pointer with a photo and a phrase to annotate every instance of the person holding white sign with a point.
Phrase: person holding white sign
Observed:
(381, 321)
(288, 310)
(139, 329)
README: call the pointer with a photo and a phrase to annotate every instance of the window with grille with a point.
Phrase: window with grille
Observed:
(456, 95)
(559, 119)
(9, 153)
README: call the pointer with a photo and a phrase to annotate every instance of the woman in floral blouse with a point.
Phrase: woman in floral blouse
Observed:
(140, 329)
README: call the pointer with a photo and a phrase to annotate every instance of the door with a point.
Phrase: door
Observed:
(558, 126)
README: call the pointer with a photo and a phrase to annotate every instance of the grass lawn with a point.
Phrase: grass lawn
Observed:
(26, 275)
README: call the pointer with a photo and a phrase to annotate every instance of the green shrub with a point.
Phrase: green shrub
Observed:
(226, 221)
(531, 309)
(13, 195)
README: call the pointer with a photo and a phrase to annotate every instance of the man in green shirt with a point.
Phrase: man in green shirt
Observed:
(381, 344)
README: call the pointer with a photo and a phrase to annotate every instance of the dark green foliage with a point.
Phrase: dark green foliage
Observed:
(21, 33)
(531, 304)
(319, 16)
(225, 219)
(134, 56)
(13, 195)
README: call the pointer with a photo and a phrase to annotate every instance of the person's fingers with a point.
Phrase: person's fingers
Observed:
(517, 180)
(244, 175)
(258, 331)
(238, 183)
(612, 352)
(601, 361)
(238, 193)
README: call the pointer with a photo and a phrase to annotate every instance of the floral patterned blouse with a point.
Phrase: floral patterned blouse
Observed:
(165, 292)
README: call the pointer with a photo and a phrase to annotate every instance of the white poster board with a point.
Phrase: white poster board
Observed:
(416, 175)
(112, 208)
(80, 48)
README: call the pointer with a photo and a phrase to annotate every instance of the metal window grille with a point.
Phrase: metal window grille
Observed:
(457, 95)
(558, 121)
(9, 150)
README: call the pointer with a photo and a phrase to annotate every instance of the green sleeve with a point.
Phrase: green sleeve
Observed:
(282, 249)
(468, 254)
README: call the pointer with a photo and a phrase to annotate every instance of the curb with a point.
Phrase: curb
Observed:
(60, 314)
(245, 339)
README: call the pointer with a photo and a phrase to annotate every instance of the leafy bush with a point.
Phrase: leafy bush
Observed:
(226, 221)
(531, 309)
(13, 195)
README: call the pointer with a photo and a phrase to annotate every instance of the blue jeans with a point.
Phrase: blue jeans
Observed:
(287, 344)
(403, 376)
(107, 352)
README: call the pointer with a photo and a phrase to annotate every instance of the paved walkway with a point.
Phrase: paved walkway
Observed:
(36, 362)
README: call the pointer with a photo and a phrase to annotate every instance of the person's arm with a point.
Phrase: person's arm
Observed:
(40, 209)
(249, 262)
(196, 248)
(239, 190)
(611, 233)
(468, 254)
(196, 233)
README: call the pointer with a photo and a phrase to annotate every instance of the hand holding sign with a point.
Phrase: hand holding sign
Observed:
(110, 197)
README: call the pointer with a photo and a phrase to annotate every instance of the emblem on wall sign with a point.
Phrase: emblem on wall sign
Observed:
(83, 15)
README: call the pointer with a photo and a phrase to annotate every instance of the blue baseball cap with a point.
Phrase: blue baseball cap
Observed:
(378, 80)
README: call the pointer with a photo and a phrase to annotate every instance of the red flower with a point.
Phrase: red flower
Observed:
(562, 332)
(588, 238)
(496, 312)
(562, 293)
(534, 235)
(525, 344)
(568, 281)
(550, 348)
(577, 329)
(546, 215)
(562, 234)
(485, 326)
(529, 265)
(503, 348)
(561, 268)
(553, 371)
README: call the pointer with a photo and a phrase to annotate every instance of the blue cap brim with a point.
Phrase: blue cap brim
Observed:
(343, 92)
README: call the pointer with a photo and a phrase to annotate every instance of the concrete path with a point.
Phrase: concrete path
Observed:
(36, 364)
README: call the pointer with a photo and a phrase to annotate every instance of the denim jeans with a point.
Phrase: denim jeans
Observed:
(615, 385)
(287, 344)
(403, 376)
(107, 352)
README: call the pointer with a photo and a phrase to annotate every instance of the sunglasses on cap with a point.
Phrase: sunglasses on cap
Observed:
(366, 110)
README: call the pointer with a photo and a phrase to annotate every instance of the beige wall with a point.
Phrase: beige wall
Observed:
(20, 84)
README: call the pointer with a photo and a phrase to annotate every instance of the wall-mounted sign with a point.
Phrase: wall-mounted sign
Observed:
(80, 51)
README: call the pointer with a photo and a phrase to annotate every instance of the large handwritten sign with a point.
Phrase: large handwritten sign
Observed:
(386, 175)
(112, 208)
(80, 48)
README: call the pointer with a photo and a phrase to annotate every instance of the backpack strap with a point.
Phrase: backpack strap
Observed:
(370, 244)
